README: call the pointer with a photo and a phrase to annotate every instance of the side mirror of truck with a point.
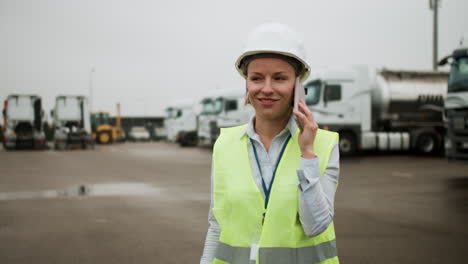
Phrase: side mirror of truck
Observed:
(52, 113)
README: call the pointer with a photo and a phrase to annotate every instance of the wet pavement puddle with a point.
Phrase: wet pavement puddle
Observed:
(84, 190)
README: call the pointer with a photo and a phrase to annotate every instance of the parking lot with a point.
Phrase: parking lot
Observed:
(148, 203)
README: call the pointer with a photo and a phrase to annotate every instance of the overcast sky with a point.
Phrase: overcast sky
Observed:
(148, 53)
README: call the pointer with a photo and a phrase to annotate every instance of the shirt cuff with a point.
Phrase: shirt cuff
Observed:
(308, 173)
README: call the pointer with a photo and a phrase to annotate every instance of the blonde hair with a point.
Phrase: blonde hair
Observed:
(297, 65)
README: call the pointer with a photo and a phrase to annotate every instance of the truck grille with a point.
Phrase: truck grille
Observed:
(458, 122)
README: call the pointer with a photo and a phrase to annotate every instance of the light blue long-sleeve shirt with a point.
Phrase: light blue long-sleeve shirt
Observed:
(316, 194)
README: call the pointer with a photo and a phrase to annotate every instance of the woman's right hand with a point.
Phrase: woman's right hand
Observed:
(308, 128)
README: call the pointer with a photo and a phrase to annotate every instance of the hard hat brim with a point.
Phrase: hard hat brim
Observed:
(238, 65)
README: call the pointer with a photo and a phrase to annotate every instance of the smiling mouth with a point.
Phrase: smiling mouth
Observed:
(267, 101)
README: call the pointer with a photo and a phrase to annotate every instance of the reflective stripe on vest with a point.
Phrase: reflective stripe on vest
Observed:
(303, 255)
(238, 205)
(233, 255)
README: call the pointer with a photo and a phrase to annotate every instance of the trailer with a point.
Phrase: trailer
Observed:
(71, 120)
(456, 106)
(23, 122)
(380, 109)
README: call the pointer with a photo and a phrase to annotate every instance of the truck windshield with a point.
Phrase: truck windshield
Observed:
(68, 109)
(218, 106)
(20, 108)
(458, 80)
(313, 92)
(207, 107)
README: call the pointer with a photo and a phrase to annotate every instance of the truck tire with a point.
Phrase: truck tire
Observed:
(189, 139)
(347, 144)
(7, 147)
(35, 145)
(428, 143)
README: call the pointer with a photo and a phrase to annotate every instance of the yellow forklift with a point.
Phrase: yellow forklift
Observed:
(103, 131)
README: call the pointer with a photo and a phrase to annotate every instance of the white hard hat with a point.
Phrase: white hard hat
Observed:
(275, 38)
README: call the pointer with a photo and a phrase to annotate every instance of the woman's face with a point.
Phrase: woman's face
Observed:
(270, 86)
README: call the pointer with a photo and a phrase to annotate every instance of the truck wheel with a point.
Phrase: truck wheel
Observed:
(6, 147)
(347, 144)
(183, 142)
(428, 143)
(191, 139)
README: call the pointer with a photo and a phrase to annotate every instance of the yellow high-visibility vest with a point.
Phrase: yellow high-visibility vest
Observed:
(238, 206)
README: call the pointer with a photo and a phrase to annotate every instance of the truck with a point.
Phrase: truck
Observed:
(380, 109)
(456, 106)
(71, 121)
(169, 118)
(23, 122)
(206, 121)
(181, 122)
(222, 108)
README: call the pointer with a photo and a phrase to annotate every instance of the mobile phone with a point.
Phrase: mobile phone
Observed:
(299, 93)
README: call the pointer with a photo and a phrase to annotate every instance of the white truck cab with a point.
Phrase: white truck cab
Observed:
(23, 118)
(456, 106)
(181, 122)
(206, 121)
(222, 108)
(71, 119)
(234, 111)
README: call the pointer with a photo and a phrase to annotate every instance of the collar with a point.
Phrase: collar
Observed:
(249, 129)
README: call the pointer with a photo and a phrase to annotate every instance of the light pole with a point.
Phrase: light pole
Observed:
(91, 75)
(434, 5)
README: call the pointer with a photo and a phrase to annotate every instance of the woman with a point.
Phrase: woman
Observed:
(273, 184)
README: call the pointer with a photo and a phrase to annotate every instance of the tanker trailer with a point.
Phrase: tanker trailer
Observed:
(380, 109)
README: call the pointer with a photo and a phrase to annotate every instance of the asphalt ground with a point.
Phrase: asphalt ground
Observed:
(148, 203)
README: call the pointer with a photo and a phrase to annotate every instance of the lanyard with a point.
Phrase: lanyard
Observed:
(265, 189)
